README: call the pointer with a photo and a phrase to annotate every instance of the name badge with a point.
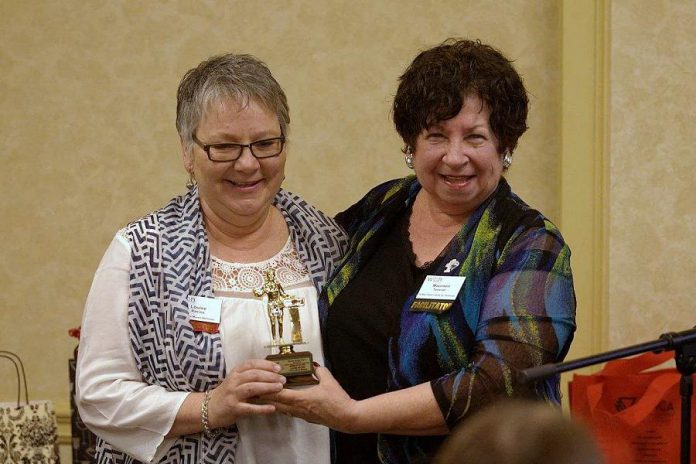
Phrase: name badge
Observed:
(204, 313)
(437, 294)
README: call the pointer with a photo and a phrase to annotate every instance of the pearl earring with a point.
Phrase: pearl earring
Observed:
(507, 160)
(408, 156)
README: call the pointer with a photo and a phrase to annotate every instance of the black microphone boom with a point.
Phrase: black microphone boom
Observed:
(657, 346)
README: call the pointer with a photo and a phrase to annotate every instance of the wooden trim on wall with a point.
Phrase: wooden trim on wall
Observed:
(64, 430)
(584, 163)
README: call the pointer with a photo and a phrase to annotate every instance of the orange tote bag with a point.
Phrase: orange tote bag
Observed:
(635, 415)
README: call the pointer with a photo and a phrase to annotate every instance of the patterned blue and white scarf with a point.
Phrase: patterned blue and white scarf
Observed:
(170, 260)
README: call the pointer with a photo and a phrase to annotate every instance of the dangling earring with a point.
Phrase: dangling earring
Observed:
(507, 160)
(408, 155)
(191, 181)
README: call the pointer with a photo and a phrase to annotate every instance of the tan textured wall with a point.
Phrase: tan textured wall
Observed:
(87, 102)
(652, 257)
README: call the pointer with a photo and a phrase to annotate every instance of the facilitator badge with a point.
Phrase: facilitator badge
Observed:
(437, 294)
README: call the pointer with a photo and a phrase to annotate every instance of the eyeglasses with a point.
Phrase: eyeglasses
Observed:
(224, 152)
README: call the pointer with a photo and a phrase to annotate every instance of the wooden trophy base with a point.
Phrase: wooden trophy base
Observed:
(297, 368)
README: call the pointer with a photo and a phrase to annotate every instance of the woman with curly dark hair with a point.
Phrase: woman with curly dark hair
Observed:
(452, 284)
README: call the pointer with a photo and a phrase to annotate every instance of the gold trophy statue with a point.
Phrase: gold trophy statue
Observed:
(295, 366)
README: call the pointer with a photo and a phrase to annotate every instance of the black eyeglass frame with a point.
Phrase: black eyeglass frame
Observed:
(206, 148)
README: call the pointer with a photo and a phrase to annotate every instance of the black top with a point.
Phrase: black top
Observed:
(362, 319)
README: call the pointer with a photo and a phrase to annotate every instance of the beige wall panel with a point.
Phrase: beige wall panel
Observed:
(87, 108)
(653, 214)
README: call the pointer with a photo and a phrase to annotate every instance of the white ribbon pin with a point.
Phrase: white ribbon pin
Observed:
(451, 265)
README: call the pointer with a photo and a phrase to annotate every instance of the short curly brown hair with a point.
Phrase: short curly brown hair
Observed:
(434, 86)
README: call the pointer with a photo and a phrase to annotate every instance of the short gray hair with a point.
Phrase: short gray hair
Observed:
(241, 77)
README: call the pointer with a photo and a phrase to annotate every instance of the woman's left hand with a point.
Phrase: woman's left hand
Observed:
(326, 403)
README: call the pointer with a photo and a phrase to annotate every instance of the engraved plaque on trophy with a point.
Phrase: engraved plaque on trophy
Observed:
(296, 366)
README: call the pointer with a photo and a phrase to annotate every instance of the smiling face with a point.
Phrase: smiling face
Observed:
(241, 191)
(457, 160)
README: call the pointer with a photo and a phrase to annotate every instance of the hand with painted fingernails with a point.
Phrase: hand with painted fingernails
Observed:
(326, 403)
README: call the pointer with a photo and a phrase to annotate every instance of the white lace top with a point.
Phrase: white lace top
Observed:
(244, 278)
(246, 333)
(135, 417)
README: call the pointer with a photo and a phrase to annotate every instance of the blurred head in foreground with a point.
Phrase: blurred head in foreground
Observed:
(520, 432)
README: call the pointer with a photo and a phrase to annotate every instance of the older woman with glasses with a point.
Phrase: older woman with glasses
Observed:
(452, 284)
(176, 324)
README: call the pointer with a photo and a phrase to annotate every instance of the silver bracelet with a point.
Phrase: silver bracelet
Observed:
(204, 417)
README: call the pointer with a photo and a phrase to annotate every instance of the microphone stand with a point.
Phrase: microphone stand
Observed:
(684, 346)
